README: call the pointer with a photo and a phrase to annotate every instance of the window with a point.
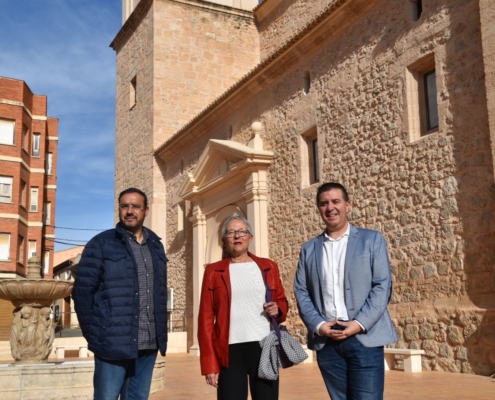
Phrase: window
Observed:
(25, 131)
(181, 218)
(34, 199)
(422, 98)
(306, 83)
(430, 82)
(20, 249)
(22, 200)
(31, 249)
(7, 128)
(46, 263)
(310, 168)
(316, 172)
(36, 145)
(48, 163)
(132, 92)
(4, 246)
(5, 189)
(48, 207)
(415, 9)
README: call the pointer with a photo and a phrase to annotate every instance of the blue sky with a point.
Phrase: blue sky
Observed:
(61, 49)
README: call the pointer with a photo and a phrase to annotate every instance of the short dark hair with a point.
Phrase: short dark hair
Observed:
(329, 186)
(135, 190)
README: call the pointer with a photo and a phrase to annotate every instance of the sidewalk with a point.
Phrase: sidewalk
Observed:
(183, 381)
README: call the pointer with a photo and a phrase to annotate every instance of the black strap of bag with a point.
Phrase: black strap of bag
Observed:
(284, 360)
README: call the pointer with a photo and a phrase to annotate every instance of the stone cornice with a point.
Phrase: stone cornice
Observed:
(203, 180)
(216, 7)
(21, 104)
(262, 10)
(20, 160)
(331, 20)
(144, 5)
(131, 24)
(23, 220)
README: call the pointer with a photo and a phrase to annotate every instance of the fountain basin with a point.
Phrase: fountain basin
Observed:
(34, 292)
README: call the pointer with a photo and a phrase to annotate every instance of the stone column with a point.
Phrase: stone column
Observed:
(487, 22)
(199, 245)
(256, 198)
(256, 195)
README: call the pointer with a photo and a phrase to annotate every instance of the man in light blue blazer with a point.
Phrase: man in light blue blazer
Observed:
(342, 286)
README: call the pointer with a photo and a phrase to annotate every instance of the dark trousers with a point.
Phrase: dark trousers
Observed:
(244, 359)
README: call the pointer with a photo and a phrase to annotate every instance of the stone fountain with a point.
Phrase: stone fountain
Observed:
(31, 334)
(34, 376)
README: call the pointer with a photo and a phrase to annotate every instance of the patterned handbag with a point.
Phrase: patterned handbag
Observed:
(279, 348)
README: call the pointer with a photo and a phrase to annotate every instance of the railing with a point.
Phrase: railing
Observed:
(177, 320)
(71, 329)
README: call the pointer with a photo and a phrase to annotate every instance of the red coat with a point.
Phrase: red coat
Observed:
(214, 310)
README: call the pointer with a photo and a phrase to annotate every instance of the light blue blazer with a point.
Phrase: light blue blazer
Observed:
(367, 282)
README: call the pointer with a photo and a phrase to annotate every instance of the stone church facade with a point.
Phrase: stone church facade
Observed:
(222, 111)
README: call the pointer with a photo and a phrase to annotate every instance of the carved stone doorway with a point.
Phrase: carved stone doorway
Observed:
(229, 179)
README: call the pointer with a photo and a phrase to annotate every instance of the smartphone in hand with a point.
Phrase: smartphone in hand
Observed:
(338, 327)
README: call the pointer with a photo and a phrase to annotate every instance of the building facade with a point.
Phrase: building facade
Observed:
(28, 161)
(394, 99)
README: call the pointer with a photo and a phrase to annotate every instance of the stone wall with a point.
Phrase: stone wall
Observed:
(200, 51)
(182, 55)
(134, 125)
(286, 19)
(431, 197)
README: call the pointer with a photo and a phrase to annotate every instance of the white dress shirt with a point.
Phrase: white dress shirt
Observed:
(333, 267)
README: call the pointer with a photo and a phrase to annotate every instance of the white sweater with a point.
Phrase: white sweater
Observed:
(248, 321)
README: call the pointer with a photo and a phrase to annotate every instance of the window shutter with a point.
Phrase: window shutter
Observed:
(7, 131)
(31, 248)
(4, 247)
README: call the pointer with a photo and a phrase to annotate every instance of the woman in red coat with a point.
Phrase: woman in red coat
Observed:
(233, 316)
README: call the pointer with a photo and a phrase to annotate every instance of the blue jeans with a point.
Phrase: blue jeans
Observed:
(131, 379)
(352, 371)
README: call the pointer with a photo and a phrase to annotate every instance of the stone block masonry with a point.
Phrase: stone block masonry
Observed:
(346, 73)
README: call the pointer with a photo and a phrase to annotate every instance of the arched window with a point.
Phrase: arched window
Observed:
(306, 82)
(415, 9)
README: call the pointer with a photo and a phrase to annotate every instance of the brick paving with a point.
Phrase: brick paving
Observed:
(184, 381)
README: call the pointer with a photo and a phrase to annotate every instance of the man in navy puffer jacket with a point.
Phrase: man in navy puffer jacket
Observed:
(120, 297)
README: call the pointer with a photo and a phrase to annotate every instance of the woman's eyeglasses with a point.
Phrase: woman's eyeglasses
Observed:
(239, 233)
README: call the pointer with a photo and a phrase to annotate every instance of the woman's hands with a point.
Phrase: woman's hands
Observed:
(212, 379)
(271, 309)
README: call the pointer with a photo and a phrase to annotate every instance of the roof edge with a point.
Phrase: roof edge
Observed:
(131, 24)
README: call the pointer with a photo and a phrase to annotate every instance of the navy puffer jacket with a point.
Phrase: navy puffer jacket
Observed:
(106, 295)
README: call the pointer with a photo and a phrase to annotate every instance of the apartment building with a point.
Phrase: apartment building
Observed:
(28, 159)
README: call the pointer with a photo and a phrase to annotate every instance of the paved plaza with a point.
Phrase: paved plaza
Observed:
(183, 381)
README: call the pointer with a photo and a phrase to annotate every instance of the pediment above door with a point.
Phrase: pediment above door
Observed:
(223, 161)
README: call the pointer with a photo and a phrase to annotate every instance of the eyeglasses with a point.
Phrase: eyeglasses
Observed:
(239, 233)
(131, 207)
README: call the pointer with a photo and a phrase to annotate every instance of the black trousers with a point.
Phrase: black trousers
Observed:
(244, 359)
